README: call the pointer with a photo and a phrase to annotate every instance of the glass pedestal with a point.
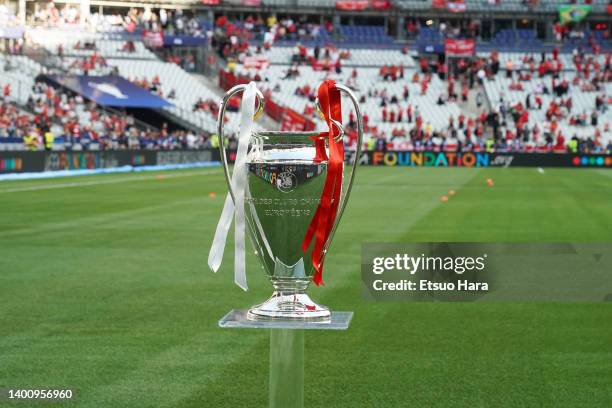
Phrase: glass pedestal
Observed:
(286, 388)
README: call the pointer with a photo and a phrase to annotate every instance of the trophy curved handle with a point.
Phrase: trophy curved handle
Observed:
(353, 98)
(221, 119)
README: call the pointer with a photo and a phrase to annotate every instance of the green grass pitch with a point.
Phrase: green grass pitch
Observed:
(104, 288)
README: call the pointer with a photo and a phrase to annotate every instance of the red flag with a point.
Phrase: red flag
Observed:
(438, 4)
(462, 48)
(353, 5)
(381, 4)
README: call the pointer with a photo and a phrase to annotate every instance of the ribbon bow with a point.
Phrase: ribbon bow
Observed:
(323, 221)
(235, 207)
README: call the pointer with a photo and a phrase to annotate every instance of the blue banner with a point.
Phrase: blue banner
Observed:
(111, 91)
(431, 48)
(184, 41)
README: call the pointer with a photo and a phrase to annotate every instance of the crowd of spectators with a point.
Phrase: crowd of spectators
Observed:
(504, 125)
(13, 121)
(51, 15)
(509, 127)
(171, 22)
(507, 123)
(471, 28)
(464, 28)
(232, 39)
(228, 35)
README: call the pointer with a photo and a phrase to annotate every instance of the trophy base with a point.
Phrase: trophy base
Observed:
(296, 306)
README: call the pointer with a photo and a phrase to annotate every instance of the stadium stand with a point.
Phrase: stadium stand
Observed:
(383, 100)
(80, 44)
(132, 60)
(366, 85)
(173, 78)
(18, 73)
(289, 55)
(354, 57)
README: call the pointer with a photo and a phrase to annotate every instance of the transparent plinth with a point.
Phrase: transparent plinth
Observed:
(237, 318)
(286, 389)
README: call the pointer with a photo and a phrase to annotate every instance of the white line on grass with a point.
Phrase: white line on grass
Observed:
(100, 182)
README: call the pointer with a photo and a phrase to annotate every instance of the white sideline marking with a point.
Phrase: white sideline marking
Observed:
(100, 182)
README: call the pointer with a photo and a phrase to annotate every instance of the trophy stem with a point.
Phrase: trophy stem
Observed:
(290, 286)
(286, 368)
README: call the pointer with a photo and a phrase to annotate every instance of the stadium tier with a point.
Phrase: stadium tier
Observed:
(355, 57)
(366, 84)
(413, 90)
(386, 99)
(17, 72)
(78, 44)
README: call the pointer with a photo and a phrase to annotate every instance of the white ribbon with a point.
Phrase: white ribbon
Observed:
(238, 186)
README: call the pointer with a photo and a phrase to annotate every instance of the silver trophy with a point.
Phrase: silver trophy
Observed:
(284, 186)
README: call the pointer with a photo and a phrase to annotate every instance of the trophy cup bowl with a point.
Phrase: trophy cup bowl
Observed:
(283, 191)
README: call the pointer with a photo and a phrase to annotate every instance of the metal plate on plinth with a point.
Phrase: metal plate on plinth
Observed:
(237, 319)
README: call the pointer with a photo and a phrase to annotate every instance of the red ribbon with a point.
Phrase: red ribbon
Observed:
(321, 225)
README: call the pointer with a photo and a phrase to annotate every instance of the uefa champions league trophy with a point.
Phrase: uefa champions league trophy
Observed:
(287, 181)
